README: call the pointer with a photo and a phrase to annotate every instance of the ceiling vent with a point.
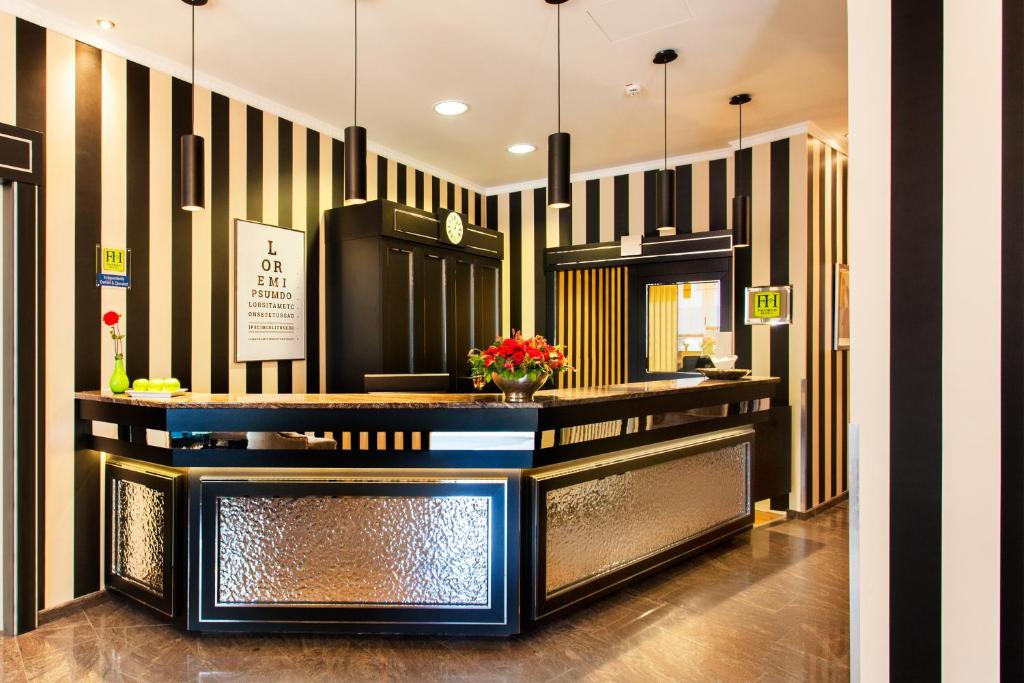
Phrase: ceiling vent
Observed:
(624, 19)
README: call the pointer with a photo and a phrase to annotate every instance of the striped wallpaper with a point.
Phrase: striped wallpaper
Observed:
(798, 188)
(112, 168)
(937, 429)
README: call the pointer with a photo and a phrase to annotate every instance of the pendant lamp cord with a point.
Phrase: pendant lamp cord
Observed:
(355, 67)
(741, 125)
(666, 116)
(558, 30)
(193, 129)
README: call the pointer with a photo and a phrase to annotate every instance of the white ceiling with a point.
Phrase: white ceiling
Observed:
(499, 56)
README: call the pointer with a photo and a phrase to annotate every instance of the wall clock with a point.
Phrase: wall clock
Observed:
(453, 227)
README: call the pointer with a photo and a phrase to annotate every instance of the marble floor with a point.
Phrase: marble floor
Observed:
(771, 605)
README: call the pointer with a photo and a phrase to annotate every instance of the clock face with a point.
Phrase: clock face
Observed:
(453, 227)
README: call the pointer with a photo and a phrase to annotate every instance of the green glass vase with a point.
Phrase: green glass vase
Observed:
(119, 378)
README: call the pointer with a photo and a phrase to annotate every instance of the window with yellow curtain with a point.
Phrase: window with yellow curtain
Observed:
(679, 316)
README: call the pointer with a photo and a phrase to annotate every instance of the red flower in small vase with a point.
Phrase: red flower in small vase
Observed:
(111, 320)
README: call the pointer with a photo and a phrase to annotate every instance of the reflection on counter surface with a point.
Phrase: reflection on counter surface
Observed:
(495, 517)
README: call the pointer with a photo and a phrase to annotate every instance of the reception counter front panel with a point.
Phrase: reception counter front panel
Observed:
(508, 515)
(395, 549)
(605, 520)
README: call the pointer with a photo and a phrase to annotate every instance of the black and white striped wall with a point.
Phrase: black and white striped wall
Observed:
(111, 131)
(937, 303)
(797, 183)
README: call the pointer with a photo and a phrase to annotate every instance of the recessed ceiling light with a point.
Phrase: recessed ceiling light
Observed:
(521, 148)
(105, 24)
(451, 108)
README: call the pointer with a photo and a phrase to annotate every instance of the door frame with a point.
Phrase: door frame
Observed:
(22, 175)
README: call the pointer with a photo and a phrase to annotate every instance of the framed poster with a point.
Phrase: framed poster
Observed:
(270, 292)
(769, 305)
(841, 309)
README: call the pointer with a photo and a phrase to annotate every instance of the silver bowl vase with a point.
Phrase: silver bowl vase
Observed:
(519, 390)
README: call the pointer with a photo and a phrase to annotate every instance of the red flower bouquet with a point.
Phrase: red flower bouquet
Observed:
(526, 363)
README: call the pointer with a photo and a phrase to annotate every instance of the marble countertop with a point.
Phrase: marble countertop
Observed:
(543, 399)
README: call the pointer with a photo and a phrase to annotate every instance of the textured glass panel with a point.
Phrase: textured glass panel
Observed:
(597, 526)
(401, 550)
(137, 552)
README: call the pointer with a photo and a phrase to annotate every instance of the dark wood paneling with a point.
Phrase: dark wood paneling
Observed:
(463, 310)
(486, 302)
(432, 299)
(915, 400)
(397, 315)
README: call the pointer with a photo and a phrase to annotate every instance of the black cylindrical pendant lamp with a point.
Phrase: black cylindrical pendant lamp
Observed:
(355, 135)
(665, 211)
(193, 173)
(193, 148)
(355, 165)
(740, 221)
(559, 188)
(740, 203)
(665, 202)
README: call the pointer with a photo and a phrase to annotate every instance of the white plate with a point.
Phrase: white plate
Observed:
(156, 394)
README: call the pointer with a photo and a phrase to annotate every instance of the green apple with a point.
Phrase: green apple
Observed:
(141, 384)
(156, 384)
(172, 384)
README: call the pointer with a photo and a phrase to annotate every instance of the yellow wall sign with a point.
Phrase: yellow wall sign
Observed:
(767, 305)
(113, 260)
(113, 267)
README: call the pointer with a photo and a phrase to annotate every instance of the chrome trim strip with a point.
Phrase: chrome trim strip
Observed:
(502, 480)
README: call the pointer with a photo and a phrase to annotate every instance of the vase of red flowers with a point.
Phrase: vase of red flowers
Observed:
(119, 379)
(517, 366)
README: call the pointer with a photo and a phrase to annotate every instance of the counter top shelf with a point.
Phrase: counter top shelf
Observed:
(452, 430)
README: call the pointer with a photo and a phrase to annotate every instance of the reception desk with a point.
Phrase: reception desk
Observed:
(436, 513)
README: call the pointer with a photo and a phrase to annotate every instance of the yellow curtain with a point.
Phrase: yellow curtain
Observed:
(662, 327)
